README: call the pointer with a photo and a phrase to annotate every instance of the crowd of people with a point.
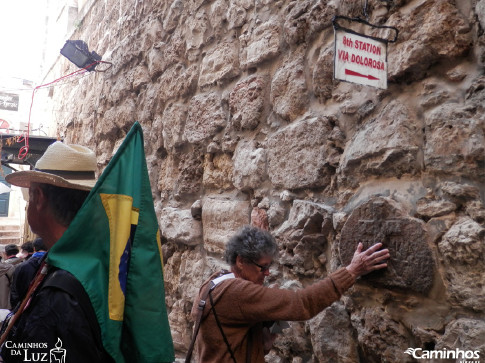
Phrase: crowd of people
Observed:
(235, 315)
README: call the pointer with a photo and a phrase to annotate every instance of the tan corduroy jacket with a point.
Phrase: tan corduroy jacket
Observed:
(243, 306)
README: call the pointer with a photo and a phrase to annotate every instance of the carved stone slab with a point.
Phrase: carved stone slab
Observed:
(222, 218)
(381, 220)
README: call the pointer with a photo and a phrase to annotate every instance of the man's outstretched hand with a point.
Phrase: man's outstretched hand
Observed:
(369, 260)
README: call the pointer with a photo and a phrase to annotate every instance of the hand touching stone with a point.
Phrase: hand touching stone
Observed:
(369, 260)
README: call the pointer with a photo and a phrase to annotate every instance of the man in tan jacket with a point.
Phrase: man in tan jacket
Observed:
(238, 307)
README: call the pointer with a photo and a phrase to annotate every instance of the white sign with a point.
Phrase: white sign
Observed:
(359, 59)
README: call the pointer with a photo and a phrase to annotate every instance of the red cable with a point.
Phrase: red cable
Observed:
(25, 149)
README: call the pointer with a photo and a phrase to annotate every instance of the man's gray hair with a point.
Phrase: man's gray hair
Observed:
(251, 244)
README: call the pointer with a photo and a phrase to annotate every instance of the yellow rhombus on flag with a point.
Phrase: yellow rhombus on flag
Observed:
(113, 248)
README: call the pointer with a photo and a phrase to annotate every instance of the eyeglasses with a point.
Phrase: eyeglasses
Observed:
(263, 268)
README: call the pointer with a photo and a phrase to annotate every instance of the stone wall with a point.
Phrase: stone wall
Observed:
(244, 123)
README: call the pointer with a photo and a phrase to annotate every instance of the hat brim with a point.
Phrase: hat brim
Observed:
(24, 178)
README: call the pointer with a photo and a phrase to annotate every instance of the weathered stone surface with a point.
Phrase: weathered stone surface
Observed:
(297, 154)
(322, 75)
(382, 220)
(276, 214)
(221, 219)
(173, 15)
(165, 54)
(380, 338)
(217, 171)
(463, 252)
(259, 218)
(196, 210)
(464, 154)
(177, 81)
(303, 237)
(220, 63)
(434, 208)
(249, 166)
(196, 30)
(178, 226)
(206, 117)
(289, 95)
(465, 334)
(259, 44)
(429, 32)
(246, 102)
(460, 193)
(173, 121)
(389, 145)
(332, 336)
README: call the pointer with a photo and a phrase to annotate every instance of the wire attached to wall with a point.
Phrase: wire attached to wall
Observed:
(25, 137)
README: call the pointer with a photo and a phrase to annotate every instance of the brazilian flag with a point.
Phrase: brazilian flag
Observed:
(113, 248)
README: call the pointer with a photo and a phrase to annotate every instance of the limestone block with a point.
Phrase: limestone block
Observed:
(220, 63)
(218, 171)
(173, 15)
(140, 77)
(322, 74)
(196, 30)
(181, 334)
(206, 117)
(249, 166)
(259, 218)
(383, 220)
(431, 31)
(155, 137)
(276, 214)
(260, 44)
(388, 145)
(222, 218)
(460, 193)
(289, 93)
(463, 251)
(434, 208)
(466, 334)
(165, 54)
(381, 338)
(246, 102)
(464, 151)
(332, 336)
(480, 11)
(236, 15)
(190, 172)
(177, 225)
(303, 237)
(297, 154)
(177, 81)
(173, 121)
(168, 174)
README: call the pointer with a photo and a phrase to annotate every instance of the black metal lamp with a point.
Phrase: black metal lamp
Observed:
(78, 53)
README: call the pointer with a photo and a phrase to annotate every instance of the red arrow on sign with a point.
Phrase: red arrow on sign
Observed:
(353, 73)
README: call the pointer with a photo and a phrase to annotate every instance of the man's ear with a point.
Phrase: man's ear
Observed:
(37, 197)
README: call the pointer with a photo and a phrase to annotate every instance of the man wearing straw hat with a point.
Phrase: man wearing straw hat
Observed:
(56, 310)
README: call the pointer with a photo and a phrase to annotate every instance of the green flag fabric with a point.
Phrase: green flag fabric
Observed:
(113, 248)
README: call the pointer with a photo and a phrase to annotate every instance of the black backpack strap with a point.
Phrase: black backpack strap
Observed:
(200, 311)
(65, 281)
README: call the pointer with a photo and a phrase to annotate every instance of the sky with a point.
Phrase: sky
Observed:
(21, 38)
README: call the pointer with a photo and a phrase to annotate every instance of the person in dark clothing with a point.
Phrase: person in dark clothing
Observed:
(26, 251)
(25, 272)
(59, 316)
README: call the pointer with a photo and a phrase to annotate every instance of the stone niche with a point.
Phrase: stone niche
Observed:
(383, 220)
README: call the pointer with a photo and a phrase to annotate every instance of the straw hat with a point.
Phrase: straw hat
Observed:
(67, 166)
